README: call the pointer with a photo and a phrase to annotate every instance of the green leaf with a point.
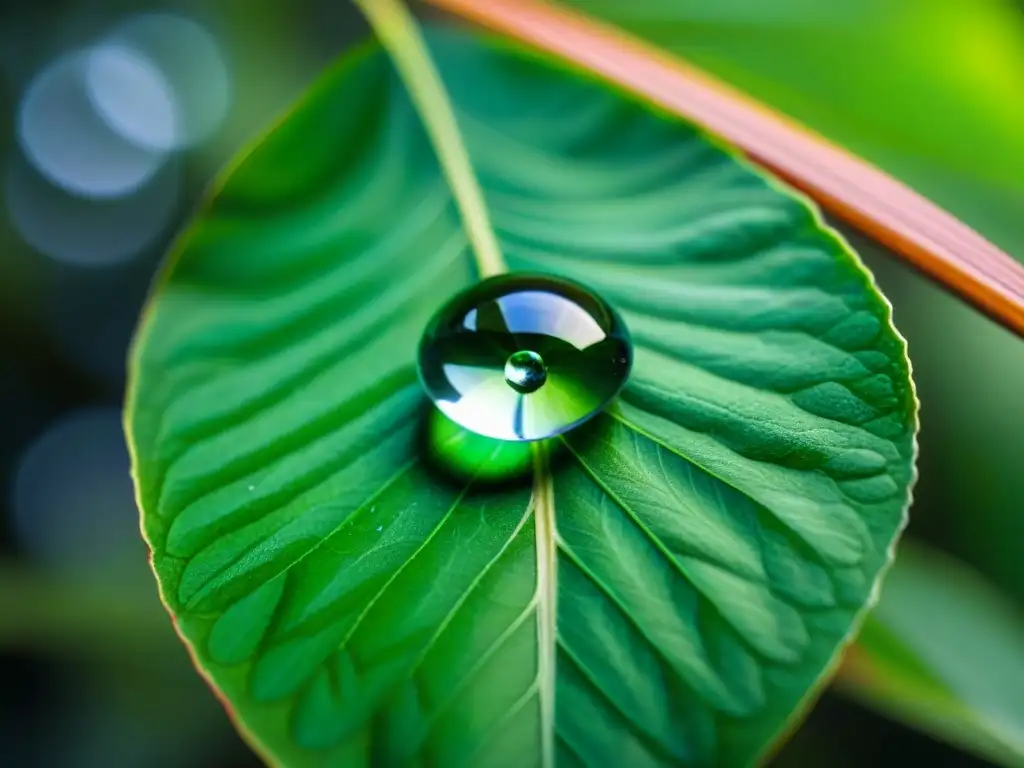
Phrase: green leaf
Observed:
(943, 652)
(681, 572)
(905, 84)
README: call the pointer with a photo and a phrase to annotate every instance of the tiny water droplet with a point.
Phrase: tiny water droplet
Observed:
(524, 357)
(525, 371)
(380, 528)
(252, 487)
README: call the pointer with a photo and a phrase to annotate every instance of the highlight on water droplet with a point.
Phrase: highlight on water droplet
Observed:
(525, 371)
(524, 357)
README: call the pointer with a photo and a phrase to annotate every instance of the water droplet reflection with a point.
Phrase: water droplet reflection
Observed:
(520, 357)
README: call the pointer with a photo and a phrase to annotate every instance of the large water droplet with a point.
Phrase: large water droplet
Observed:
(524, 357)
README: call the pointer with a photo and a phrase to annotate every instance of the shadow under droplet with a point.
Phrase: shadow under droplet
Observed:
(458, 455)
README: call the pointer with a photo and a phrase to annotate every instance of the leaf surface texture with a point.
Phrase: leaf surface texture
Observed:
(706, 545)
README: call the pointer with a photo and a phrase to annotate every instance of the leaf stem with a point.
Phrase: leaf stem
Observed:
(398, 32)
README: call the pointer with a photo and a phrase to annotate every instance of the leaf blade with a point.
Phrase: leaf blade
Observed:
(398, 617)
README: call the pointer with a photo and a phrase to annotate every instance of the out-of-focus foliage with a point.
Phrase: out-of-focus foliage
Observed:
(972, 373)
(943, 651)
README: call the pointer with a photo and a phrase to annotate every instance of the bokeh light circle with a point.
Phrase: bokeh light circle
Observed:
(62, 135)
(189, 61)
(84, 232)
(72, 501)
(132, 95)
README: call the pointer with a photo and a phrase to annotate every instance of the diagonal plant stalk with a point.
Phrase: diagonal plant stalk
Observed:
(916, 229)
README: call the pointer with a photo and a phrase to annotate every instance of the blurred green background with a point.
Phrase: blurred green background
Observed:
(116, 113)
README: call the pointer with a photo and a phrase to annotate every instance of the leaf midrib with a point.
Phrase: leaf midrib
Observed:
(400, 36)
(547, 595)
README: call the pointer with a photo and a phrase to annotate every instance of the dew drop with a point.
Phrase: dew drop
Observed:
(525, 371)
(524, 357)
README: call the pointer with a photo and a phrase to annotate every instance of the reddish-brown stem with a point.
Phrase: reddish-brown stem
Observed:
(848, 187)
